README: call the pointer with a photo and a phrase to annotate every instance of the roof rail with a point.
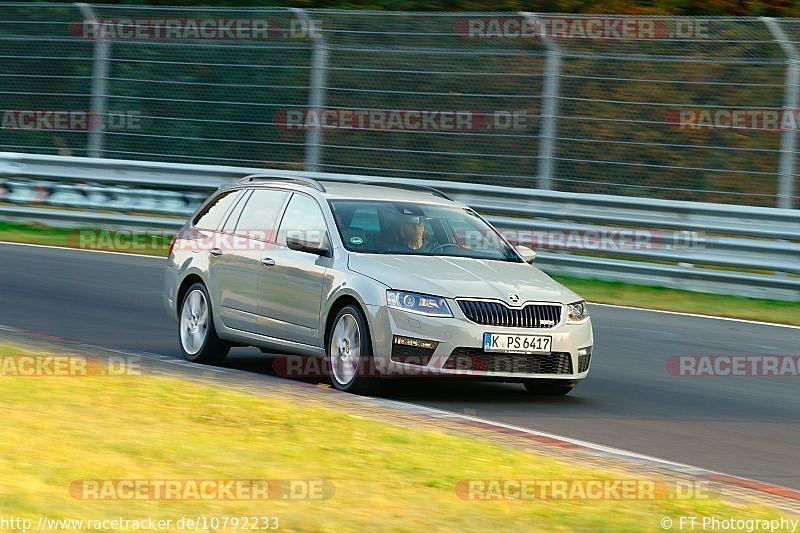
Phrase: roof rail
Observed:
(309, 182)
(411, 187)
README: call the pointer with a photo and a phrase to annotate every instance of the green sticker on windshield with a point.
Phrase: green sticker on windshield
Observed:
(356, 241)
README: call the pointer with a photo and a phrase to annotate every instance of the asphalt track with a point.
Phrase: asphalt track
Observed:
(746, 426)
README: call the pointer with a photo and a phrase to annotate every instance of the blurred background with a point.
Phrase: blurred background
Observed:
(569, 114)
(581, 131)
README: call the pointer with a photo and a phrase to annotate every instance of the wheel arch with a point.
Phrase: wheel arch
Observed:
(187, 282)
(340, 302)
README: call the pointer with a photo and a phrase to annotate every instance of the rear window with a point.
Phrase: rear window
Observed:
(261, 213)
(213, 213)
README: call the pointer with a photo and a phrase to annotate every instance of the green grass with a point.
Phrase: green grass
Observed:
(593, 290)
(35, 234)
(154, 242)
(684, 301)
(57, 430)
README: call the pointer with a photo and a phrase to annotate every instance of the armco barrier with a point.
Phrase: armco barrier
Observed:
(729, 249)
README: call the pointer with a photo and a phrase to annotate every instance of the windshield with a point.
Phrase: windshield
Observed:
(382, 227)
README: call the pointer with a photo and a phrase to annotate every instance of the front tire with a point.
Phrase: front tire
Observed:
(350, 362)
(544, 387)
(197, 337)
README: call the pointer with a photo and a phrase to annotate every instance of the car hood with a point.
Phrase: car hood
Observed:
(453, 277)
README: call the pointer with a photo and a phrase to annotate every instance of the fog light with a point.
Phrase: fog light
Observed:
(584, 357)
(417, 343)
(412, 351)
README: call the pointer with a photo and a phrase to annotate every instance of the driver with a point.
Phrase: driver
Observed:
(411, 235)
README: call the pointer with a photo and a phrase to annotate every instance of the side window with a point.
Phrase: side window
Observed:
(260, 215)
(235, 213)
(463, 234)
(212, 214)
(303, 219)
(469, 232)
(366, 218)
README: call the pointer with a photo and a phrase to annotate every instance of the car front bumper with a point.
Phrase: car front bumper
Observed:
(459, 351)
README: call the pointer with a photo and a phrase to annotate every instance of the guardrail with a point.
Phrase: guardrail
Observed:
(683, 108)
(740, 250)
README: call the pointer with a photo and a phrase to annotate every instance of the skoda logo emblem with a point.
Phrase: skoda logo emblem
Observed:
(513, 298)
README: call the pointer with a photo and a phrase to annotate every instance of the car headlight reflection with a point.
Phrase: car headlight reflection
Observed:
(423, 304)
(577, 312)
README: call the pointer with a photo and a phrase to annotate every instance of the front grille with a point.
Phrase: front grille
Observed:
(499, 314)
(476, 360)
(412, 355)
(583, 362)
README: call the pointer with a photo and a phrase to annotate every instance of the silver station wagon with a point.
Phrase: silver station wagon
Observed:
(374, 281)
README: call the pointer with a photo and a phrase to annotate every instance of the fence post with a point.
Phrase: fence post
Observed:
(550, 93)
(316, 90)
(99, 84)
(790, 103)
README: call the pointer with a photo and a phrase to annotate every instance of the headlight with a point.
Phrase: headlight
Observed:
(424, 304)
(578, 311)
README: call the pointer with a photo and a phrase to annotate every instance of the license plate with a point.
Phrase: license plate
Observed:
(500, 342)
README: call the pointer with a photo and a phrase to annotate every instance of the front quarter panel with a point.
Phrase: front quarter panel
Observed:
(369, 294)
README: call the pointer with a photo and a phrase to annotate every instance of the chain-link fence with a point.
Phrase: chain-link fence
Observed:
(692, 109)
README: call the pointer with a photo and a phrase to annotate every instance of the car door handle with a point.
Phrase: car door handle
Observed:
(268, 261)
(215, 252)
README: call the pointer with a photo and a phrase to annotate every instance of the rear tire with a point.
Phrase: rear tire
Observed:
(544, 387)
(349, 354)
(197, 337)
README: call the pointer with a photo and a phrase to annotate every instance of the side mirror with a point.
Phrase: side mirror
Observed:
(294, 242)
(527, 254)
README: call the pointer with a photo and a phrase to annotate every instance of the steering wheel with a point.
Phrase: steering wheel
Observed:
(442, 246)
